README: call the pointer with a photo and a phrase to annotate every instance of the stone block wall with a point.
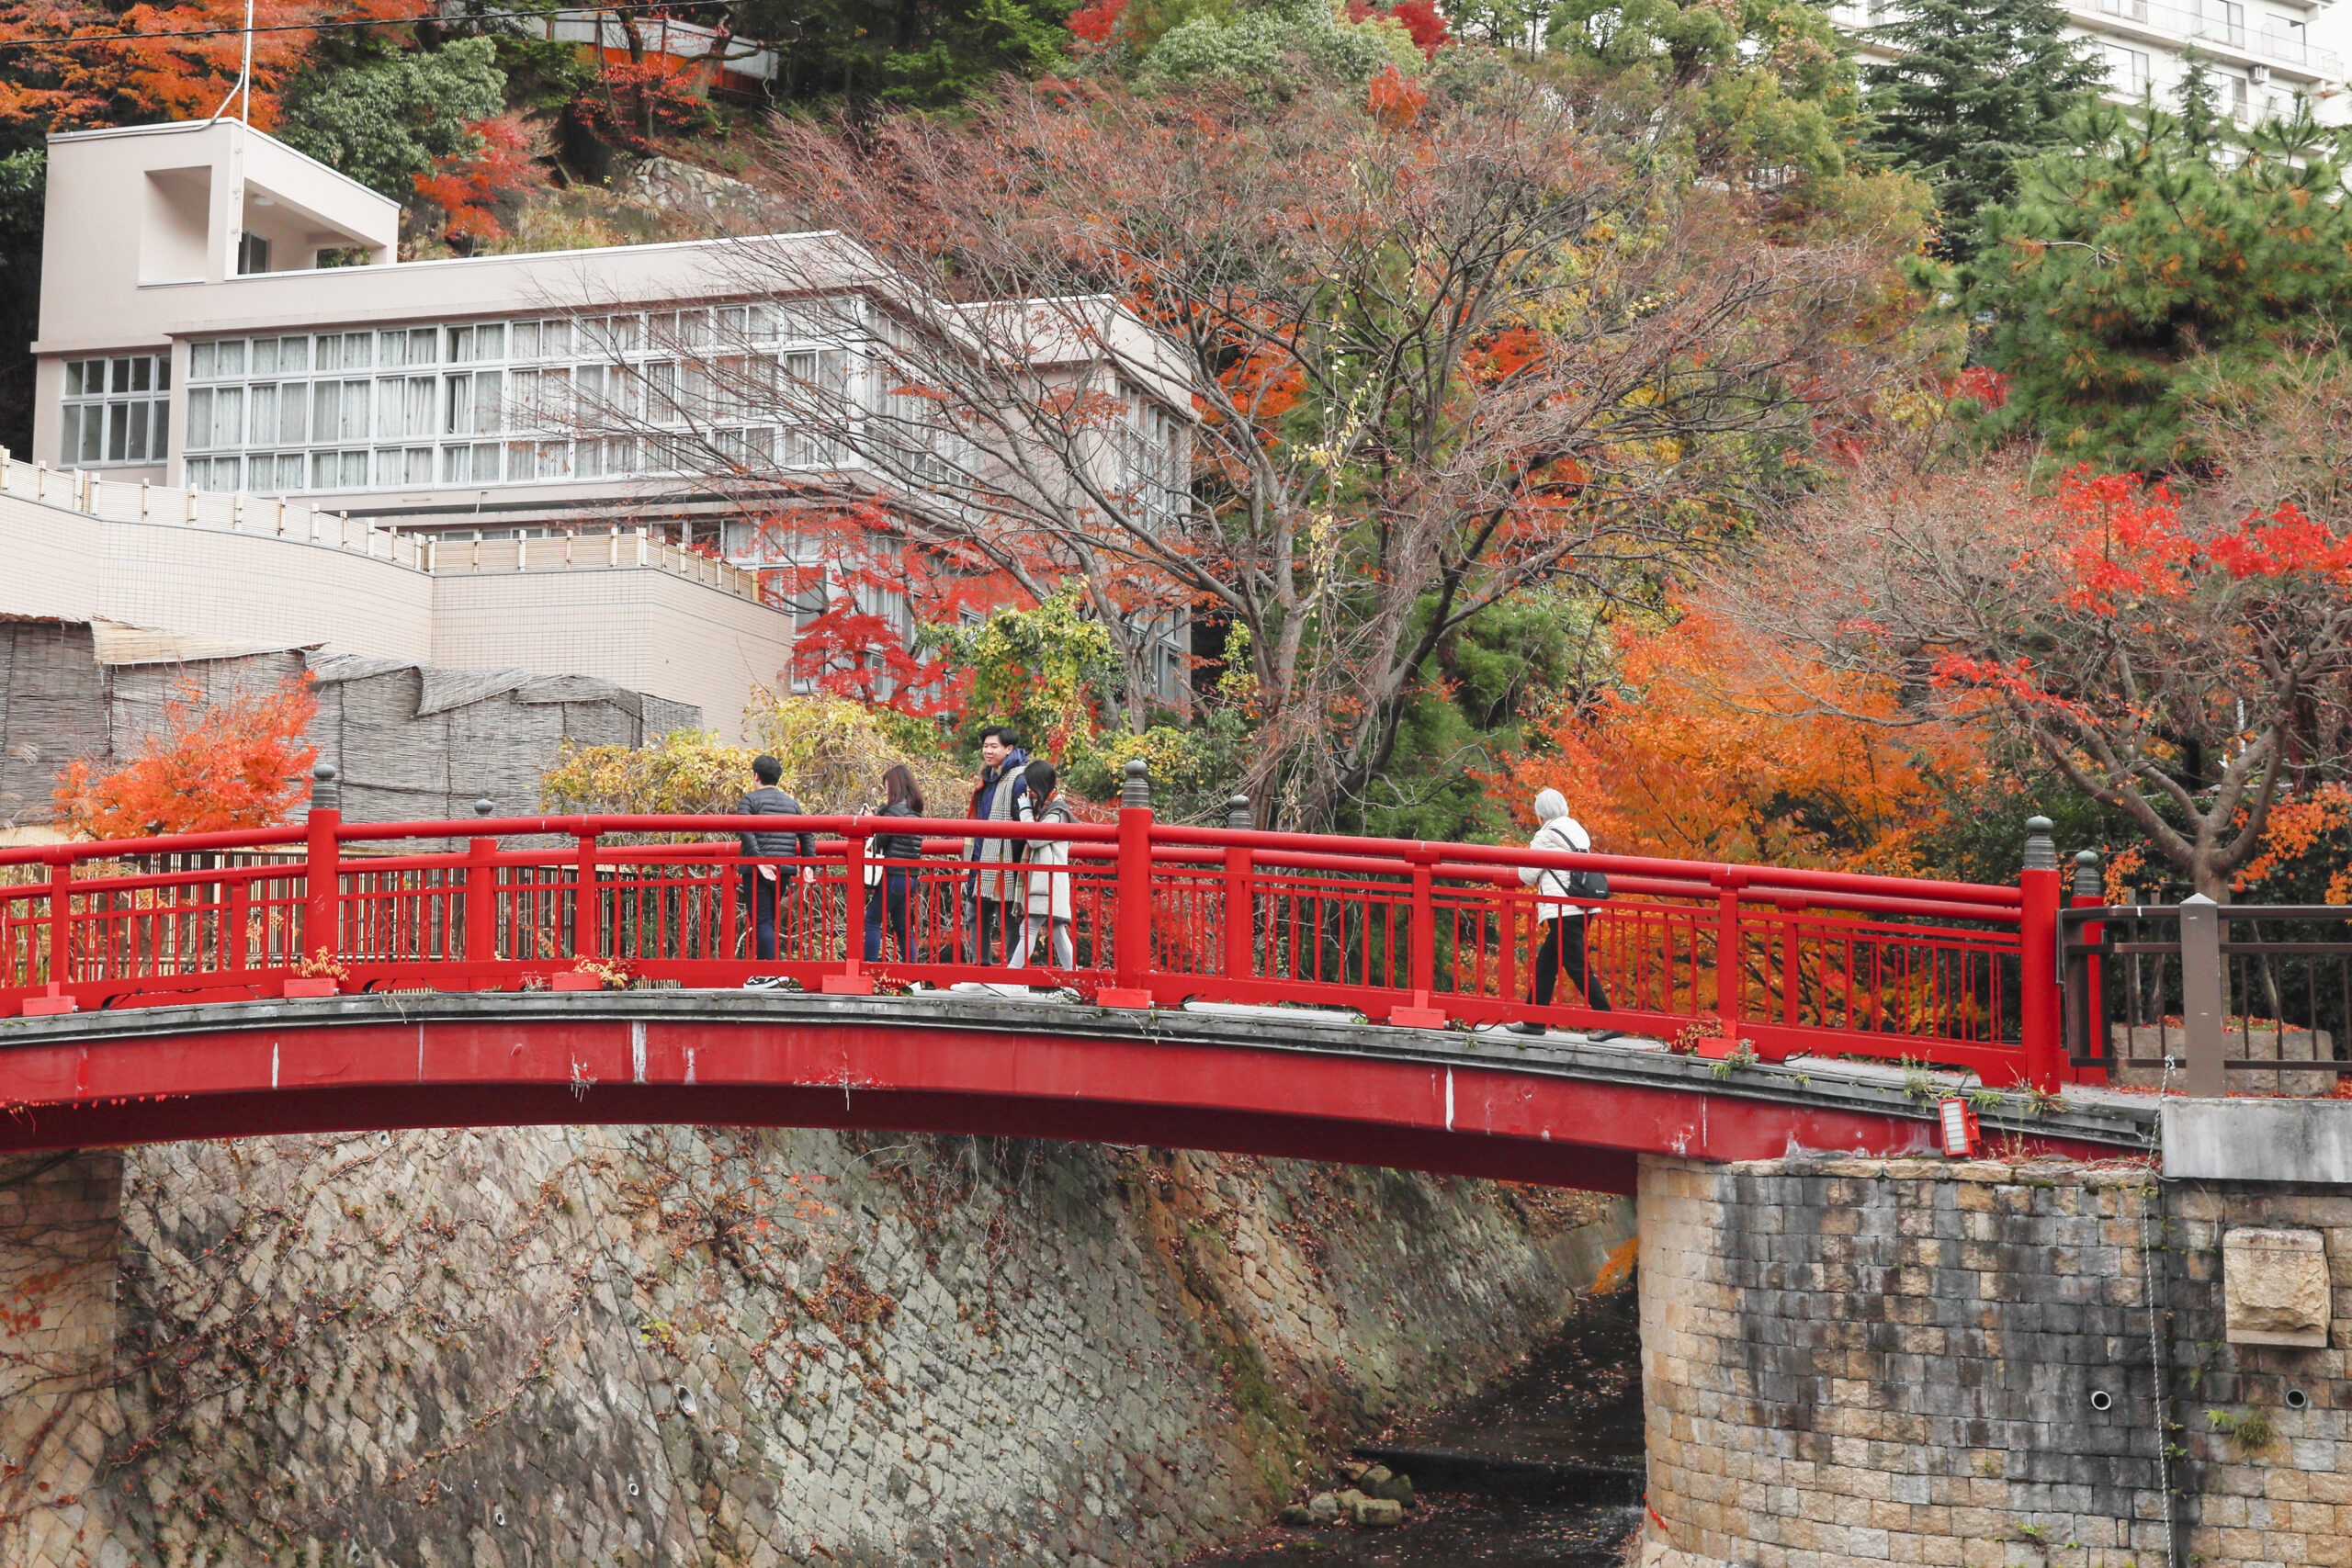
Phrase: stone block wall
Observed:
(1980, 1364)
(57, 1225)
(2286, 1502)
(510, 1348)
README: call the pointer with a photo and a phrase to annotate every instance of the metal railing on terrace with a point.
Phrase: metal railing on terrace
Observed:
(117, 501)
(2225, 28)
(2209, 998)
(2219, 29)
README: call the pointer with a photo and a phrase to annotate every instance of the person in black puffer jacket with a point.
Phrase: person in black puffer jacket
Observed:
(888, 881)
(764, 882)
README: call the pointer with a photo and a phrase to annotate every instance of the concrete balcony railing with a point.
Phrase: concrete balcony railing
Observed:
(2212, 31)
(116, 501)
(2157, 22)
(579, 551)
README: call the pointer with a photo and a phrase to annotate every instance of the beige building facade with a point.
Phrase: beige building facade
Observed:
(164, 574)
(222, 314)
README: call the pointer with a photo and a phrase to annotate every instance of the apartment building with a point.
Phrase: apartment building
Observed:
(223, 313)
(2261, 54)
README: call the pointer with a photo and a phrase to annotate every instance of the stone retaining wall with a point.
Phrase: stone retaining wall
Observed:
(1867, 1361)
(520, 1349)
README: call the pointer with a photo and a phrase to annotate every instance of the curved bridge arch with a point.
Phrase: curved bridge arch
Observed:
(1284, 1082)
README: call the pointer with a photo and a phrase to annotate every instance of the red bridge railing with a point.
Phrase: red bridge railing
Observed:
(1430, 934)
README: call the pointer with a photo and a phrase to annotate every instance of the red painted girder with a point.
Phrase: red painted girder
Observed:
(1471, 1120)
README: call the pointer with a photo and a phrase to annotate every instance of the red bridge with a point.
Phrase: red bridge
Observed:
(306, 978)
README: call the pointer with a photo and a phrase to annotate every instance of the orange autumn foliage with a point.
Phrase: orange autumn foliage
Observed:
(238, 762)
(56, 84)
(1712, 750)
(1395, 99)
(2297, 830)
(468, 188)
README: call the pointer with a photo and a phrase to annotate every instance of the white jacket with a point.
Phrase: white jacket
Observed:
(1561, 835)
(1048, 890)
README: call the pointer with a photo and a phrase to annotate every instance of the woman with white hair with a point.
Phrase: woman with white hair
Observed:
(1560, 920)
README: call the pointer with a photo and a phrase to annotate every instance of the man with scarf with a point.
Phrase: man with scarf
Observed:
(997, 889)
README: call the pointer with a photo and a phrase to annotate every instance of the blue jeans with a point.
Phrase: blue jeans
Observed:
(760, 892)
(890, 893)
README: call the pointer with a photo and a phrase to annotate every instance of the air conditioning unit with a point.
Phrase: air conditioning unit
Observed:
(2258, 74)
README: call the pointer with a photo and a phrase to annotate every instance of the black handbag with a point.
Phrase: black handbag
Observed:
(1589, 885)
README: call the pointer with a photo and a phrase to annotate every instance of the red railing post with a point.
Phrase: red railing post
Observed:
(1507, 961)
(1731, 973)
(235, 940)
(587, 911)
(2038, 1032)
(1240, 900)
(52, 999)
(1131, 939)
(853, 981)
(322, 869)
(1416, 1011)
(481, 906)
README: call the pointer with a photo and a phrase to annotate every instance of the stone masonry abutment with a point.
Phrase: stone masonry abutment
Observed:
(712, 1348)
(1984, 1364)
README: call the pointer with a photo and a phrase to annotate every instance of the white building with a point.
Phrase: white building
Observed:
(221, 311)
(2261, 54)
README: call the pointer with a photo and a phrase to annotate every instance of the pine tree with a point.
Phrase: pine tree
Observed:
(2151, 268)
(1978, 88)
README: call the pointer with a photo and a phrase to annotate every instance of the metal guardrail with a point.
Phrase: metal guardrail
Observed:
(2209, 998)
(117, 501)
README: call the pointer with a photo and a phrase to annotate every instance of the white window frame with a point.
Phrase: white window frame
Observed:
(98, 422)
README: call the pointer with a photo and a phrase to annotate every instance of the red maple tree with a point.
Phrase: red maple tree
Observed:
(468, 188)
(213, 764)
(2188, 669)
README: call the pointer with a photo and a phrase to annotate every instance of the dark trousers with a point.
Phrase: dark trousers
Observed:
(996, 932)
(760, 895)
(890, 894)
(1559, 946)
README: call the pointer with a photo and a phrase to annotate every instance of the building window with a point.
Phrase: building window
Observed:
(513, 402)
(252, 253)
(2224, 21)
(2284, 39)
(2127, 69)
(114, 410)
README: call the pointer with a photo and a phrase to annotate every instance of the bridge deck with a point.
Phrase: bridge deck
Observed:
(1297, 1082)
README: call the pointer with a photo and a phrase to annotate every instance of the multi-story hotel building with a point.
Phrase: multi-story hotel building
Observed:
(220, 311)
(2261, 54)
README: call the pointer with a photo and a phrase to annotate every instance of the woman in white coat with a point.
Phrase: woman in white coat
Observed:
(1048, 907)
(1560, 923)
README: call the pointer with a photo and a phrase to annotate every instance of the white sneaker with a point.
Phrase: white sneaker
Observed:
(765, 983)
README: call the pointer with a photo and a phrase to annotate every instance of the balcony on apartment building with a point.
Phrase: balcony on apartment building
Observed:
(2218, 28)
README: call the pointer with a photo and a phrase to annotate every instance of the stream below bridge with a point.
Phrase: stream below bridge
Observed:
(1543, 1470)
